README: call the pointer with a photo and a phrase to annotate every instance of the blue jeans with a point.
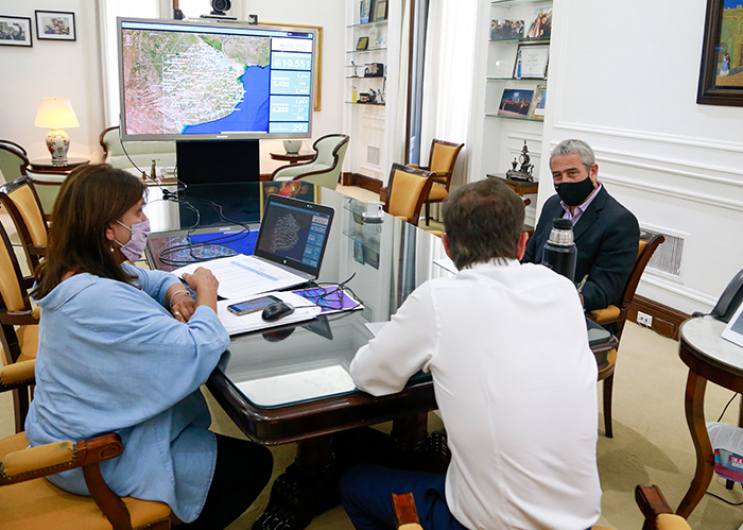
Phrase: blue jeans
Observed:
(366, 494)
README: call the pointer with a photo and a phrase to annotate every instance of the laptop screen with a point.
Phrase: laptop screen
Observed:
(294, 233)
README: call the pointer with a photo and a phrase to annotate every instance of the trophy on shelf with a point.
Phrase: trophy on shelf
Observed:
(525, 172)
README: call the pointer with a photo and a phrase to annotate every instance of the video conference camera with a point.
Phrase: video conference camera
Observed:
(219, 7)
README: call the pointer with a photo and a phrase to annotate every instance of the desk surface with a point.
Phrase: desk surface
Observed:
(389, 261)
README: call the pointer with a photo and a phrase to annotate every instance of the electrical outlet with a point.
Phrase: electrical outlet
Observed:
(644, 319)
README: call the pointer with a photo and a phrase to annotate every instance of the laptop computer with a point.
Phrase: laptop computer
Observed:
(288, 252)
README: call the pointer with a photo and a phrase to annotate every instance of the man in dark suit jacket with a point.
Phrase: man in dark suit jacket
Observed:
(606, 233)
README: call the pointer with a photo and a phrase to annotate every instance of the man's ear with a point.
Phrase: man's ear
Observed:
(594, 174)
(445, 241)
(521, 249)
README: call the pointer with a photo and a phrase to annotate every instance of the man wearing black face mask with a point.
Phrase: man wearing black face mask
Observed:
(605, 232)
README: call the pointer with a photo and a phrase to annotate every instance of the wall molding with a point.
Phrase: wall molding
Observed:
(666, 320)
(675, 289)
(362, 181)
(677, 193)
(688, 141)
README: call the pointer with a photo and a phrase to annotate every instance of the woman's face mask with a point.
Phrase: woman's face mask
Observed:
(134, 248)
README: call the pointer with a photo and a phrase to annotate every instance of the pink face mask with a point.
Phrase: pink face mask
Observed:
(134, 248)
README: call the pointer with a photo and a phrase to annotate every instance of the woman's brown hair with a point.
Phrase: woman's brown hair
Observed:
(90, 199)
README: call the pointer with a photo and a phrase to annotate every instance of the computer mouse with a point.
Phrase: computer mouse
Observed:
(277, 310)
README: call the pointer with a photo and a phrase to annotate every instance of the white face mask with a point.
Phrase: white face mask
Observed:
(134, 248)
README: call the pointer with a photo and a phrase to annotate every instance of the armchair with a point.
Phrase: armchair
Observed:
(19, 335)
(406, 190)
(323, 170)
(29, 502)
(22, 202)
(441, 161)
(14, 161)
(141, 153)
(617, 316)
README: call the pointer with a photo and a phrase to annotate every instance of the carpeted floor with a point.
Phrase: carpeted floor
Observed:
(651, 443)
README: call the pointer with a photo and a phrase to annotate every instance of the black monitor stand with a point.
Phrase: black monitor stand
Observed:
(218, 161)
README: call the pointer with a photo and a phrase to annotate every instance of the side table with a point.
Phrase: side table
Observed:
(44, 165)
(521, 187)
(709, 358)
(293, 158)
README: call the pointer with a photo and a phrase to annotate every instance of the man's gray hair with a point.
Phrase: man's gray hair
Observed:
(575, 147)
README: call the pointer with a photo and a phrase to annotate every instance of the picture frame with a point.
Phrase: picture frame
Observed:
(721, 69)
(539, 102)
(372, 257)
(515, 103)
(506, 29)
(532, 61)
(362, 44)
(55, 25)
(379, 10)
(15, 31)
(318, 61)
(365, 11)
(358, 252)
(540, 26)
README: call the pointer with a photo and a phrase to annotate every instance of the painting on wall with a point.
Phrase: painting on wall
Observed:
(15, 31)
(55, 25)
(721, 72)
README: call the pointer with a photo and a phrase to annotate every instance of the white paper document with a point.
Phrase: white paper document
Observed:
(242, 276)
(728, 437)
(299, 386)
(235, 324)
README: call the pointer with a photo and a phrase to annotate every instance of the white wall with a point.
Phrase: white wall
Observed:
(623, 77)
(72, 70)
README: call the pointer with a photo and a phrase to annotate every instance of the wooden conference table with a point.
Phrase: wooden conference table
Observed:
(389, 261)
(709, 358)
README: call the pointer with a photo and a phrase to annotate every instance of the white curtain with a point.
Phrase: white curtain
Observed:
(449, 77)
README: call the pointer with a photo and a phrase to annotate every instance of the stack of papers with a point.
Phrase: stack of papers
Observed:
(235, 324)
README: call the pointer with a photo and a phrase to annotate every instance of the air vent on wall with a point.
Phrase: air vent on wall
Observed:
(667, 257)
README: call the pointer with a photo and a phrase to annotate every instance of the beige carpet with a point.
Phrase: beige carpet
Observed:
(651, 443)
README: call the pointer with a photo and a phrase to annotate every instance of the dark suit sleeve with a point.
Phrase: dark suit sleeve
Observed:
(614, 263)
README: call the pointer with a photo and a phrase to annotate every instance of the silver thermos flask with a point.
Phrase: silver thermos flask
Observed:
(560, 253)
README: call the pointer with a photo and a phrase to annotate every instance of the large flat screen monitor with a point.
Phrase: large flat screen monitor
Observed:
(202, 80)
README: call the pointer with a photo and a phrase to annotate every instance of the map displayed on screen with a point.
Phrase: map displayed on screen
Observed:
(195, 80)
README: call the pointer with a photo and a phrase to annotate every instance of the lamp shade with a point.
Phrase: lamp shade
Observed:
(55, 113)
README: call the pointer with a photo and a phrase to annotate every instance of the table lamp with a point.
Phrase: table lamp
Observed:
(55, 113)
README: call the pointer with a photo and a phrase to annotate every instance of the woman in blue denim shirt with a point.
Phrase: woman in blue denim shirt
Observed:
(125, 350)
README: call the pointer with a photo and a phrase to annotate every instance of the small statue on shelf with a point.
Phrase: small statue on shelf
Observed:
(525, 172)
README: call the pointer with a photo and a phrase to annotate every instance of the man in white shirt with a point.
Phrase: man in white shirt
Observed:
(514, 378)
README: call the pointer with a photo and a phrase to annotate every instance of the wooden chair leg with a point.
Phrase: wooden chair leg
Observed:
(428, 212)
(20, 406)
(608, 390)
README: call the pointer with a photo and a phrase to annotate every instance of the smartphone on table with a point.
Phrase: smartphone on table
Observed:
(251, 306)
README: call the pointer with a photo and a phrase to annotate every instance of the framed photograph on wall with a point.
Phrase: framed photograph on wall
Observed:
(721, 71)
(15, 31)
(540, 101)
(532, 61)
(55, 25)
(506, 29)
(515, 103)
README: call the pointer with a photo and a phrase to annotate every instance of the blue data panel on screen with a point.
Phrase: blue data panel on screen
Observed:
(288, 128)
(291, 61)
(290, 108)
(291, 83)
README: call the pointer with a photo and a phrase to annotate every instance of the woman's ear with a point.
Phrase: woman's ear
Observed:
(110, 232)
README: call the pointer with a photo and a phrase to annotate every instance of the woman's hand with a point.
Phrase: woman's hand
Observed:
(183, 308)
(205, 284)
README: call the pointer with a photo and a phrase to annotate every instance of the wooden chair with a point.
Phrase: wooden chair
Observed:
(323, 170)
(441, 161)
(406, 190)
(14, 164)
(618, 316)
(20, 199)
(30, 502)
(19, 335)
(650, 500)
(139, 153)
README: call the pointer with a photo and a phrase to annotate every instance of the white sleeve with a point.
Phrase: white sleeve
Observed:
(404, 346)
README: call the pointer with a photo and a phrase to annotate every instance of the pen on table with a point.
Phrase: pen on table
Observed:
(582, 283)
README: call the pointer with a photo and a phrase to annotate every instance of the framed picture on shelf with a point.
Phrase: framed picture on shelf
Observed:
(515, 103)
(721, 72)
(541, 25)
(540, 100)
(365, 11)
(506, 29)
(372, 258)
(532, 61)
(55, 25)
(379, 10)
(362, 44)
(15, 31)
